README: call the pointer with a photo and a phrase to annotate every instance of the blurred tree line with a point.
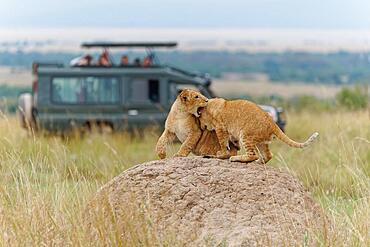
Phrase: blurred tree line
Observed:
(342, 68)
(335, 68)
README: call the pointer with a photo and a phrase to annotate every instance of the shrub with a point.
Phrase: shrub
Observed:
(353, 98)
(310, 103)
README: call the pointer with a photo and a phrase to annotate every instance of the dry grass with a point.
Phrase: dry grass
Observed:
(15, 76)
(46, 182)
(336, 170)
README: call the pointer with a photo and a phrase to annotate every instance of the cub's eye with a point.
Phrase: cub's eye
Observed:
(197, 97)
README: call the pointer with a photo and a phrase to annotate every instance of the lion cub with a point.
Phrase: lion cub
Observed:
(182, 123)
(246, 122)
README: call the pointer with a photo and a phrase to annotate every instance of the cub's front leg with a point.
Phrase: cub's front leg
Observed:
(223, 139)
(162, 143)
(189, 144)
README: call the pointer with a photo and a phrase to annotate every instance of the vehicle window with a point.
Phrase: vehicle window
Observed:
(85, 90)
(153, 90)
(145, 91)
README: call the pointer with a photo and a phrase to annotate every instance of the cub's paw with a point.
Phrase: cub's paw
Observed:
(222, 155)
(260, 161)
(161, 152)
(236, 158)
(161, 155)
(243, 158)
(232, 159)
(179, 155)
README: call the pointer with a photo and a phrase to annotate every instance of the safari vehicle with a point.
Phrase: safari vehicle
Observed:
(117, 96)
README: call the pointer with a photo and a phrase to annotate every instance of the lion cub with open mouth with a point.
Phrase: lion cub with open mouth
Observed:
(182, 122)
(247, 122)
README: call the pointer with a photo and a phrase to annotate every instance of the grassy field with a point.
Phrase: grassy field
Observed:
(235, 85)
(46, 182)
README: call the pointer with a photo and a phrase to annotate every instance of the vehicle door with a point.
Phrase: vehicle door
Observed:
(146, 101)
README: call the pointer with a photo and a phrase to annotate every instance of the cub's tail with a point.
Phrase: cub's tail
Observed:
(283, 137)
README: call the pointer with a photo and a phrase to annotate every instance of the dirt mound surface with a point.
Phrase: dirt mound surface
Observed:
(209, 202)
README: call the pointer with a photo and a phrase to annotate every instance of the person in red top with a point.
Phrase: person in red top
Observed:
(104, 59)
(148, 61)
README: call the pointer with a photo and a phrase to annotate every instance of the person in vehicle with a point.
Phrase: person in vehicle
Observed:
(137, 62)
(124, 60)
(148, 60)
(104, 59)
(82, 61)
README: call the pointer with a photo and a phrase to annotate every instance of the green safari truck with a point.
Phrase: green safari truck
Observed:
(121, 96)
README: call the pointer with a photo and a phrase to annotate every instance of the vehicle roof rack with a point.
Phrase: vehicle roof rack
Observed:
(128, 44)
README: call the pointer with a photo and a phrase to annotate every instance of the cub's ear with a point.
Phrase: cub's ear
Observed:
(183, 95)
(179, 91)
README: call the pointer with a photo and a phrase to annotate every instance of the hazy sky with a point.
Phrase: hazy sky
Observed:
(311, 14)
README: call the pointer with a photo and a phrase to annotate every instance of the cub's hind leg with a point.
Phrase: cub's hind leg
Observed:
(251, 152)
(162, 143)
(264, 150)
(223, 139)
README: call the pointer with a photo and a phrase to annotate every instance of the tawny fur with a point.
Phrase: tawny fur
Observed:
(246, 122)
(182, 123)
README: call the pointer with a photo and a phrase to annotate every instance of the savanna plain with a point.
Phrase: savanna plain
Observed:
(47, 181)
